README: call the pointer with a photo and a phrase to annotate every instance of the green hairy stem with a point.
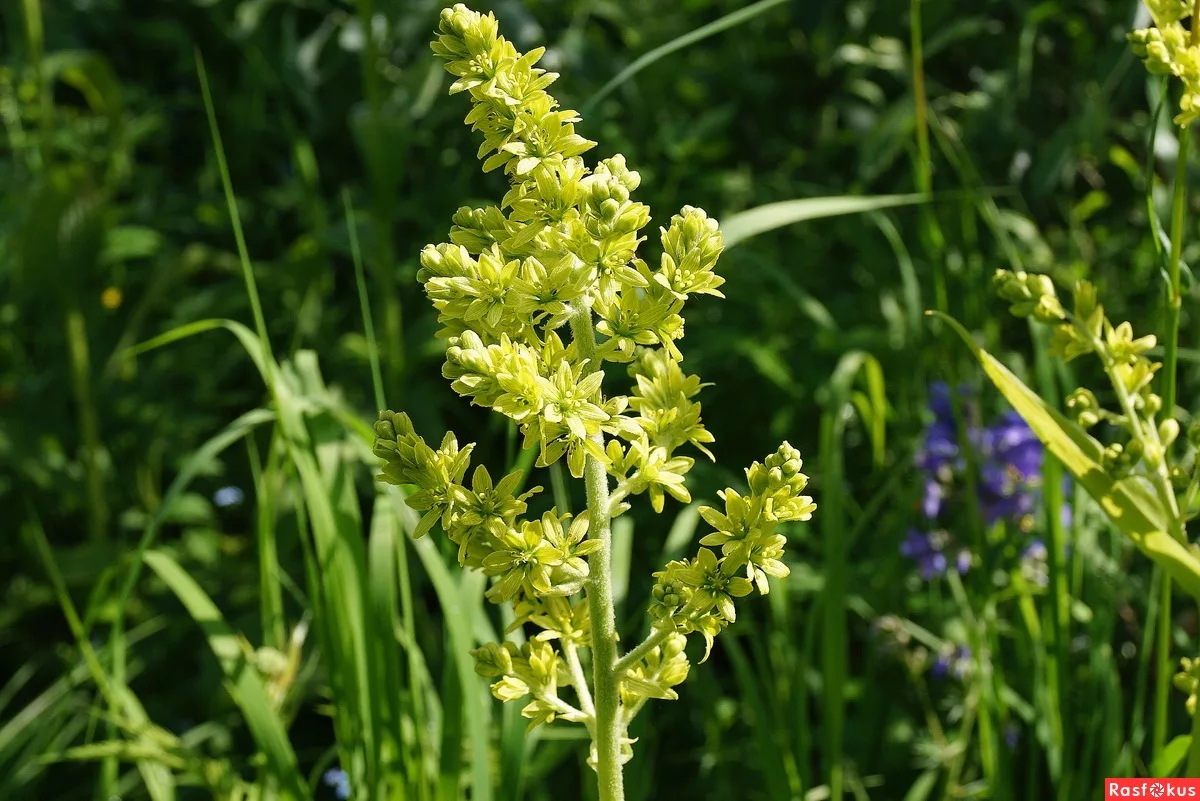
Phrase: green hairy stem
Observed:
(600, 602)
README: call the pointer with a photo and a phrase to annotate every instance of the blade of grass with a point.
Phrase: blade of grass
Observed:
(115, 694)
(737, 228)
(1059, 756)
(726, 22)
(364, 303)
(833, 528)
(476, 699)
(245, 684)
(751, 691)
(274, 624)
(260, 321)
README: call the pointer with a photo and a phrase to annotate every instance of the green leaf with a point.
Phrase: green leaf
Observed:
(91, 74)
(245, 684)
(922, 787)
(475, 699)
(127, 751)
(125, 242)
(1171, 757)
(622, 558)
(1127, 502)
(739, 227)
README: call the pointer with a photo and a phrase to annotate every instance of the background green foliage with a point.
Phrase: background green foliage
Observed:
(114, 229)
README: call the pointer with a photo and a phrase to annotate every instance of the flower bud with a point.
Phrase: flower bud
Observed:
(1114, 458)
(1083, 405)
(1028, 294)
(384, 428)
(1151, 403)
(673, 646)
(1168, 431)
(1152, 455)
(492, 660)
(674, 671)
(1048, 309)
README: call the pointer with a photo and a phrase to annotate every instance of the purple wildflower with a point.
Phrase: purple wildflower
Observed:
(929, 553)
(1012, 735)
(935, 493)
(1007, 454)
(954, 662)
(1010, 469)
(926, 551)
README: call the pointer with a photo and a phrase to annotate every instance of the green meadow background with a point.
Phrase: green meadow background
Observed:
(210, 217)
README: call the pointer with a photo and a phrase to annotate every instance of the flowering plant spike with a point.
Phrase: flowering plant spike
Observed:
(1140, 478)
(534, 296)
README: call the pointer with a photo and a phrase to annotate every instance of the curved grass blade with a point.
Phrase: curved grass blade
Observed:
(121, 702)
(245, 685)
(249, 341)
(1130, 506)
(737, 228)
(703, 32)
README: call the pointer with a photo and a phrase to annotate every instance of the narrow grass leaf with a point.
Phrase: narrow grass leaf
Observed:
(245, 684)
(245, 337)
(751, 691)
(475, 699)
(922, 788)
(737, 228)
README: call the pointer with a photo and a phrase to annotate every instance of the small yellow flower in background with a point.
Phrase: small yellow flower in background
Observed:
(111, 298)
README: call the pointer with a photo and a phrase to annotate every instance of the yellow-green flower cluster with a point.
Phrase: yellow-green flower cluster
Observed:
(697, 594)
(531, 669)
(1188, 681)
(1029, 293)
(1087, 330)
(1169, 49)
(534, 296)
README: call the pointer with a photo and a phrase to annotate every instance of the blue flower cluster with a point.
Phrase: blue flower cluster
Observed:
(928, 551)
(1008, 458)
(339, 780)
